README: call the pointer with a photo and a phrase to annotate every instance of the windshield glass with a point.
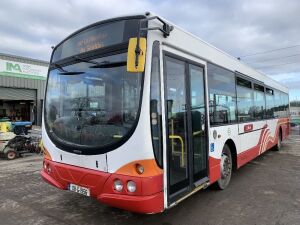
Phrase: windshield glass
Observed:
(92, 103)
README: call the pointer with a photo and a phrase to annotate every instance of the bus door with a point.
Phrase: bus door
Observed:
(186, 127)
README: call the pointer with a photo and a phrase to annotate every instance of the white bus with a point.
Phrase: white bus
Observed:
(141, 114)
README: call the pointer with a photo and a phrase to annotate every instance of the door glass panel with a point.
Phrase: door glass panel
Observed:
(177, 124)
(198, 122)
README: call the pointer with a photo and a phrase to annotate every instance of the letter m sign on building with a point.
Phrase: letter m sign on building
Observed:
(11, 67)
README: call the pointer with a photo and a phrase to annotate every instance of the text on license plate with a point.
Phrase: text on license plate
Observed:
(79, 189)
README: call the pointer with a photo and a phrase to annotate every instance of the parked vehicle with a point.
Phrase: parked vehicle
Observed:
(18, 127)
(14, 146)
(140, 114)
(21, 127)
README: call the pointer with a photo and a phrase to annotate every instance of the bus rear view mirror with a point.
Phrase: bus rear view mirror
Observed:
(136, 55)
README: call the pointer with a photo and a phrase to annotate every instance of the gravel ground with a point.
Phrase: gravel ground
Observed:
(265, 191)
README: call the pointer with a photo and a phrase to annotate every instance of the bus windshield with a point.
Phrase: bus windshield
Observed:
(92, 103)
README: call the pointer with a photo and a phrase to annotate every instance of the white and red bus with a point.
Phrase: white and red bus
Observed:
(141, 114)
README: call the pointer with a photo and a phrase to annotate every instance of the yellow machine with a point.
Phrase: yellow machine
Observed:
(4, 126)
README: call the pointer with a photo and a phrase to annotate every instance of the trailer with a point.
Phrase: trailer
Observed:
(13, 146)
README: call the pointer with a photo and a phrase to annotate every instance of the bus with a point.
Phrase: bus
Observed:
(140, 114)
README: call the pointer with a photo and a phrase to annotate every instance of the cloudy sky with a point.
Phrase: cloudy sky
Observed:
(270, 28)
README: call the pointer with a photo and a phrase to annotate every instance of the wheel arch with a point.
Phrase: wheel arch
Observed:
(280, 133)
(230, 143)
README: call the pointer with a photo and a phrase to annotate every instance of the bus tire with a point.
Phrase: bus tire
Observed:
(279, 141)
(226, 168)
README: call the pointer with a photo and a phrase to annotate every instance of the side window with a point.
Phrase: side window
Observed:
(277, 108)
(244, 100)
(269, 103)
(283, 108)
(222, 95)
(259, 101)
(284, 104)
(155, 105)
(287, 104)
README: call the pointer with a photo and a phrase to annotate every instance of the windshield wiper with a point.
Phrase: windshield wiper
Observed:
(59, 67)
(71, 73)
(108, 64)
(103, 64)
(65, 72)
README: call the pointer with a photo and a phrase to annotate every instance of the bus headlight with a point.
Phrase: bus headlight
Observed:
(45, 166)
(131, 186)
(49, 170)
(118, 186)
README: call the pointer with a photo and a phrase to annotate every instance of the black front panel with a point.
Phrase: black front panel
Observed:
(96, 37)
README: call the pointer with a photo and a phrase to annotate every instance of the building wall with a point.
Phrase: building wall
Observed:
(17, 79)
(295, 114)
(38, 85)
(23, 60)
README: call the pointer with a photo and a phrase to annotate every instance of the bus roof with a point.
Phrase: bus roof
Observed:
(196, 45)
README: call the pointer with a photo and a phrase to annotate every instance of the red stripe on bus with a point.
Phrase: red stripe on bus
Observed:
(214, 169)
(266, 141)
(148, 197)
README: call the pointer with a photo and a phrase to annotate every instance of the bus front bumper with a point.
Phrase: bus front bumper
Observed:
(147, 199)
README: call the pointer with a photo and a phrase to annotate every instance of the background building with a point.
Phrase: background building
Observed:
(295, 111)
(22, 86)
(295, 114)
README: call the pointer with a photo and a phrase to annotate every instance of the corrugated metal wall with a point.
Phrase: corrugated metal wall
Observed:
(17, 94)
(37, 85)
(34, 84)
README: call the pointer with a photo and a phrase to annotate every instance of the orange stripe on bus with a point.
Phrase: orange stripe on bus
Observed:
(150, 168)
(45, 152)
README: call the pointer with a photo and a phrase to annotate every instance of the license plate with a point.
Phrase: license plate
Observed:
(80, 190)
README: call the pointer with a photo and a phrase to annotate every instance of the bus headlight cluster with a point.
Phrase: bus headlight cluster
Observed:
(118, 186)
(47, 167)
(131, 186)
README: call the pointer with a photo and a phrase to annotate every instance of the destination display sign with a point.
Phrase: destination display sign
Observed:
(97, 37)
(93, 42)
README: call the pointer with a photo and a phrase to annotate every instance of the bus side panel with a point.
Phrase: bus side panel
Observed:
(268, 138)
(274, 127)
(251, 135)
(285, 125)
(273, 133)
(223, 134)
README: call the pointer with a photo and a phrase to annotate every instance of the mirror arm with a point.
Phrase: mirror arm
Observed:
(157, 28)
(137, 48)
(166, 30)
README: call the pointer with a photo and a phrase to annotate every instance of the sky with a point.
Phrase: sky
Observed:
(252, 30)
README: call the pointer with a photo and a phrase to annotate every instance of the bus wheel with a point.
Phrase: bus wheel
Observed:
(11, 155)
(278, 146)
(226, 168)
